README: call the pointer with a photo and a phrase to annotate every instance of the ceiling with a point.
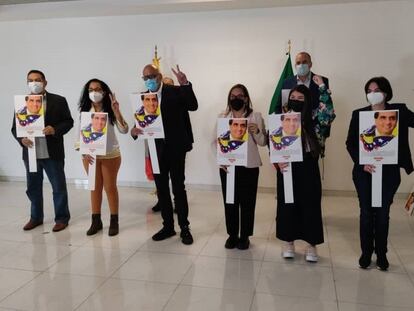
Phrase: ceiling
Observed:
(40, 9)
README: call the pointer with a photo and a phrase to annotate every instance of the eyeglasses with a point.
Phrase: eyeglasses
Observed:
(240, 96)
(148, 77)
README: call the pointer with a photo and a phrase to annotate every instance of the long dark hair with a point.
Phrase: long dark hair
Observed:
(85, 103)
(308, 125)
(248, 106)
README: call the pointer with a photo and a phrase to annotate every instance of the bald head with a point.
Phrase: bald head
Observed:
(152, 77)
(150, 70)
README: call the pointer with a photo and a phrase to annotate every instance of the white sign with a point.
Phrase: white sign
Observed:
(285, 141)
(29, 114)
(93, 133)
(378, 137)
(147, 115)
(232, 139)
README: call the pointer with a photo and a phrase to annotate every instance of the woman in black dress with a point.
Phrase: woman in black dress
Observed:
(302, 220)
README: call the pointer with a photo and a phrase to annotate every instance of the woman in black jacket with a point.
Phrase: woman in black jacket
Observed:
(374, 221)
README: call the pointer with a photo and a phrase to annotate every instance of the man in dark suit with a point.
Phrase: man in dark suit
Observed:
(303, 65)
(175, 103)
(50, 155)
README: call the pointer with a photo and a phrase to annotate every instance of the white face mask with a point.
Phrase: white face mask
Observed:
(35, 87)
(302, 70)
(95, 97)
(375, 98)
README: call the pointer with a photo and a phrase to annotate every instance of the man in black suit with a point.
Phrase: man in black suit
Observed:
(50, 155)
(303, 65)
(175, 103)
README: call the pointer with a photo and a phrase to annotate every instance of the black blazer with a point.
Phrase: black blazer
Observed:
(405, 119)
(58, 116)
(313, 88)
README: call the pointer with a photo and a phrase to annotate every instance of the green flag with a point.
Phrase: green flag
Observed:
(287, 73)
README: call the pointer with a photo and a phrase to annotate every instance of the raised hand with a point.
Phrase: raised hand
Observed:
(114, 104)
(181, 77)
(318, 80)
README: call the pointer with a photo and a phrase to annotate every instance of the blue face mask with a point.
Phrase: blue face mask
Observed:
(152, 84)
(302, 69)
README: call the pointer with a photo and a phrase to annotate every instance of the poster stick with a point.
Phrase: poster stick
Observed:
(288, 184)
(153, 156)
(377, 186)
(230, 181)
(92, 174)
(32, 155)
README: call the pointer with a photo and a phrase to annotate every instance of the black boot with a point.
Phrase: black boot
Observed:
(96, 225)
(113, 226)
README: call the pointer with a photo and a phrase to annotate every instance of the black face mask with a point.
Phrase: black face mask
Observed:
(295, 105)
(236, 104)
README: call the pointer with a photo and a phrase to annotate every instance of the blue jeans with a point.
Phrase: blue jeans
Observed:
(55, 172)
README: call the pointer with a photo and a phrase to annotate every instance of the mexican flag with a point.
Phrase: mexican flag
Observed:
(287, 73)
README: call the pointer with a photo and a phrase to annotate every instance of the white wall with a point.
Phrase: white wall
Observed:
(349, 43)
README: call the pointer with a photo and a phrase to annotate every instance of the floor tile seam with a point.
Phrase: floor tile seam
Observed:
(374, 305)
(22, 286)
(410, 277)
(332, 268)
(394, 273)
(295, 296)
(59, 259)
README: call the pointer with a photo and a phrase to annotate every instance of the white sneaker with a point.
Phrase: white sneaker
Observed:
(310, 254)
(288, 250)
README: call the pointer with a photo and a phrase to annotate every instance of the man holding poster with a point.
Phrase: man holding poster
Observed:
(378, 141)
(49, 153)
(175, 102)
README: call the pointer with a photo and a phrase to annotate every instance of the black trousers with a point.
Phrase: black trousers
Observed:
(172, 165)
(240, 215)
(374, 221)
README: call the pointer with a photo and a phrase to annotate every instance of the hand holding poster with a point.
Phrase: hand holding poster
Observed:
(147, 116)
(378, 145)
(232, 144)
(286, 145)
(29, 114)
(93, 136)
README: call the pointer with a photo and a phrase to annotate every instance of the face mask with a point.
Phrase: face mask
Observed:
(375, 98)
(302, 69)
(295, 105)
(96, 97)
(152, 84)
(35, 87)
(236, 104)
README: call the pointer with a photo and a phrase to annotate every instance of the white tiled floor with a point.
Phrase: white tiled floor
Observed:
(42, 270)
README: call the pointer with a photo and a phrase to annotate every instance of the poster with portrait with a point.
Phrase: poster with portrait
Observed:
(409, 205)
(29, 114)
(232, 139)
(93, 133)
(147, 115)
(285, 141)
(378, 137)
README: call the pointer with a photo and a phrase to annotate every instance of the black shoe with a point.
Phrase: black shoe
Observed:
(113, 226)
(364, 261)
(163, 234)
(96, 225)
(243, 243)
(157, 207)
(186, 236)
(231, 242)
(382, 262)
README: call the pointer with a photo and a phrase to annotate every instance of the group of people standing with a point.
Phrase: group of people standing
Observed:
(302, 220)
